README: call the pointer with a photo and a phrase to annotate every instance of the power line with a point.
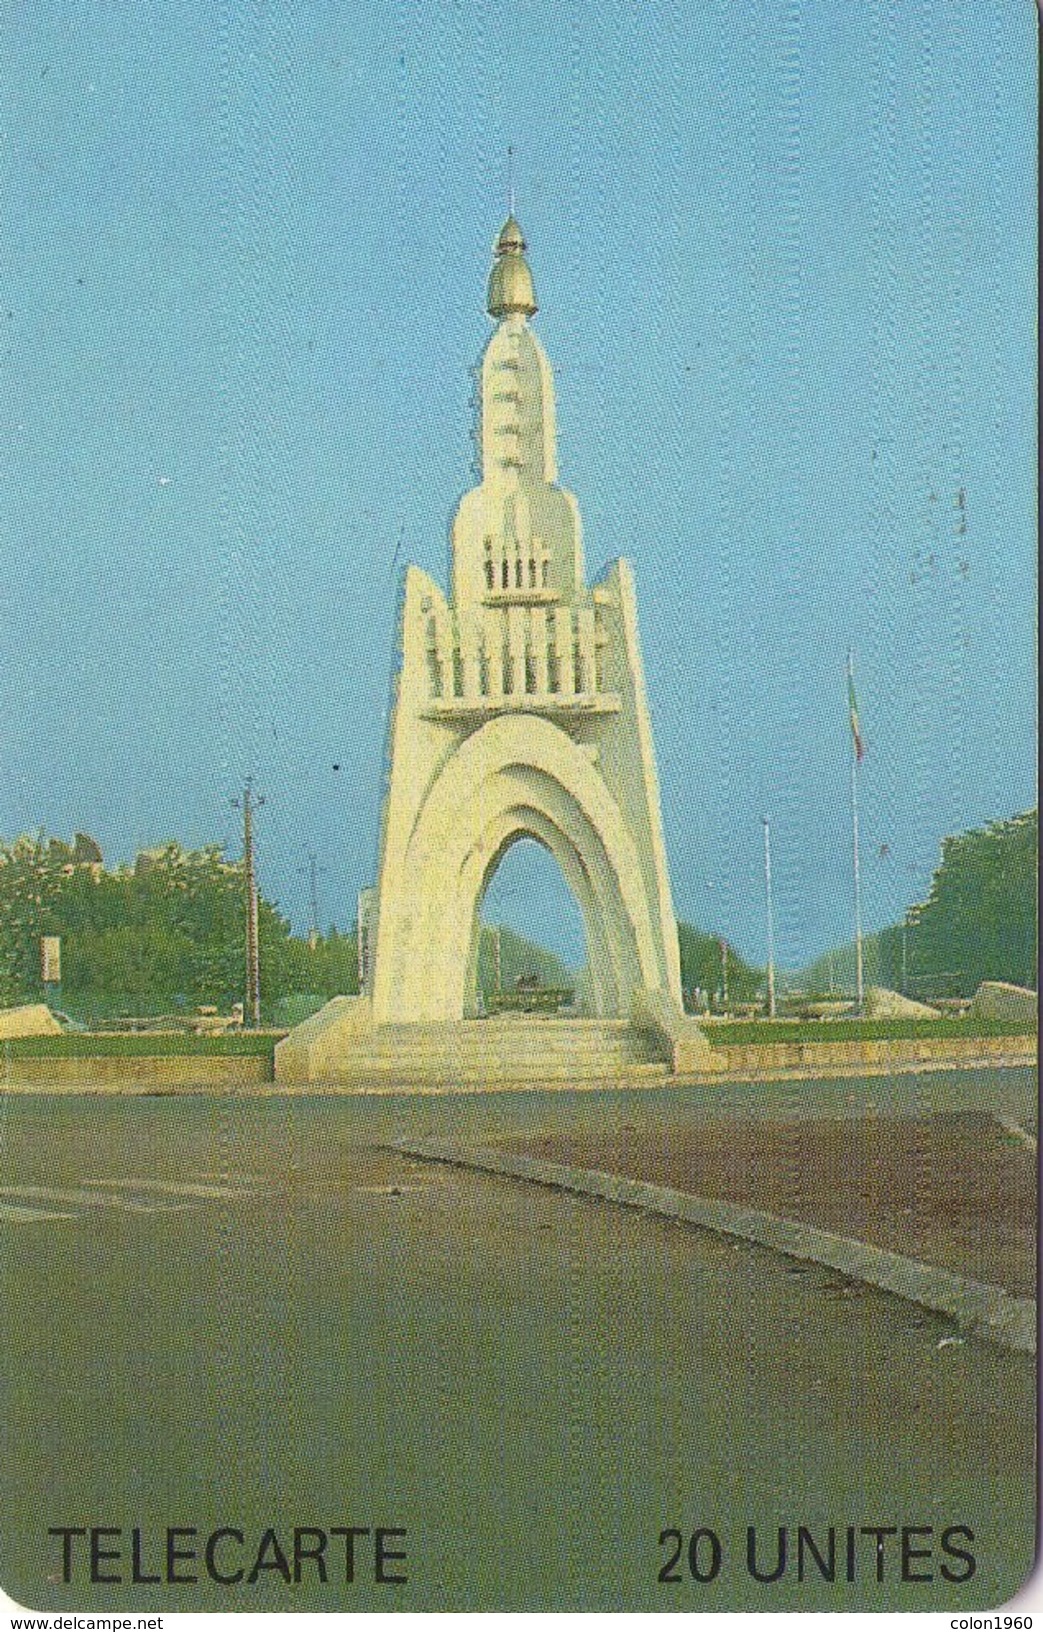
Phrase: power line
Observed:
(313, 870)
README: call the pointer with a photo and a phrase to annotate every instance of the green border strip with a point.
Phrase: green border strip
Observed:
(752, 1033)
(108, 1045)
(987, 1311)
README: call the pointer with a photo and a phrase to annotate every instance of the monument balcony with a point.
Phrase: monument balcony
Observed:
(517, 657)
(555, 705)
(532, 596)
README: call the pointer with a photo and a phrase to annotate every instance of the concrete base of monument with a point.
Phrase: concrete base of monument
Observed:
(322, 1048)
(341, 1046)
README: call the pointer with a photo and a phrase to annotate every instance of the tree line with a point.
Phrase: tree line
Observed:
(162, 935)
(166, 934)
(980, 919)
(979, 922)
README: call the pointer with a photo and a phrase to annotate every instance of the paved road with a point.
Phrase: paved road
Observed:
(242, 1313)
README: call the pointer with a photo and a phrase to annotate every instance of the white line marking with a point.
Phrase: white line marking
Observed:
(86, 1198)
(29, 1215)
(168, 1187)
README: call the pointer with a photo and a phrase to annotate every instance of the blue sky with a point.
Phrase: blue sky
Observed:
(785, 257)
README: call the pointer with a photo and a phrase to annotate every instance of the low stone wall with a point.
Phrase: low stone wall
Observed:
(137, 1073)
(130, 1074)
(29, 1020)
(894, 1053)
(999, 1000)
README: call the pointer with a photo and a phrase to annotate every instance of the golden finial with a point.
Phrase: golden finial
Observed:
(510, 281)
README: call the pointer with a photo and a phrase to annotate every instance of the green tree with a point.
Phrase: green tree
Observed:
(519, 959)
(702, 966)
(167, 932)
(980, 919)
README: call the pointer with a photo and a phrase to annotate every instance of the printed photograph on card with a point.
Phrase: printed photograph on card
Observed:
(518, 806)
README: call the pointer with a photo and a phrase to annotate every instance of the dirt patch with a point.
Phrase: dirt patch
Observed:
(954, 1189)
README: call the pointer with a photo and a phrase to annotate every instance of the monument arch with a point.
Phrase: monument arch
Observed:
(517, 776)
(542, 875)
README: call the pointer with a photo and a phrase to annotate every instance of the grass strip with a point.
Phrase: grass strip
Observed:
(726, 1032)
(81, 1045)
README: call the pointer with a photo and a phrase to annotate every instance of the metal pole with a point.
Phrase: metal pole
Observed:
(859, 988)
(856, 755)
(771, 926)
(253, 949)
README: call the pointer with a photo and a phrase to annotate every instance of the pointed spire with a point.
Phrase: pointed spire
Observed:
(510, 281)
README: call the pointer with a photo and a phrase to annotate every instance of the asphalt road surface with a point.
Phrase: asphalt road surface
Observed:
(244, 1316)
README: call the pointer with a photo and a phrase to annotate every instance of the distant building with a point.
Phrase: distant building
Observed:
(158, 855)
(86, 852)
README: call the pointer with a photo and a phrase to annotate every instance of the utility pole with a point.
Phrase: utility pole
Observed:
(771, 926)
(250, 803)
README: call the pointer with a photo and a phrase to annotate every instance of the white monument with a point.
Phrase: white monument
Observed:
(519, 713)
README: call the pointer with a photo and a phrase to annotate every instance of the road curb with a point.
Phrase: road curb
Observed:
(987, 1311)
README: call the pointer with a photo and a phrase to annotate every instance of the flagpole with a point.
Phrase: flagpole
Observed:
(859, 987)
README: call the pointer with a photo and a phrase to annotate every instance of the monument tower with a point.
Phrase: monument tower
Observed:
(520, 713)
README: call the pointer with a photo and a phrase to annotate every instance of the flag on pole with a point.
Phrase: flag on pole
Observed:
(852, 703)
